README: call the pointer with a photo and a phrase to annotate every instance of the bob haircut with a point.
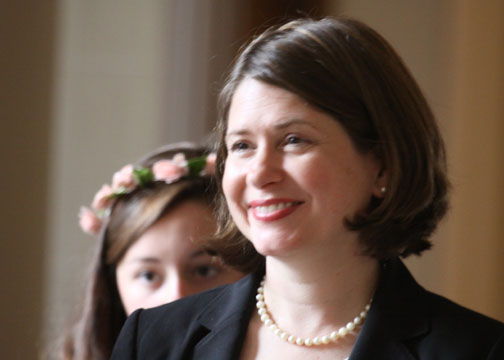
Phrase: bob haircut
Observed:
(344, 68)
(102, 317)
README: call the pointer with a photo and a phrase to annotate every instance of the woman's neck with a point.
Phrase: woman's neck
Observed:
(319, 290)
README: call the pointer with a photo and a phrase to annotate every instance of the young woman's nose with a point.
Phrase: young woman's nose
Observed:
(265, 168)
(176, 288)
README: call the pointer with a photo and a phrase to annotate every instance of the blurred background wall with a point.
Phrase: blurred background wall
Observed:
(87, 86)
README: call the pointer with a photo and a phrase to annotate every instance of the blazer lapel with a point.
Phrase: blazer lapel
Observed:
(396, 316)
(225, 319)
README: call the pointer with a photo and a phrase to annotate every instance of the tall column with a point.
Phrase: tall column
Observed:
(26, 84)
(129, 78)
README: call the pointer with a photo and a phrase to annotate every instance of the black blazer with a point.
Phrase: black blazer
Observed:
(405, 322)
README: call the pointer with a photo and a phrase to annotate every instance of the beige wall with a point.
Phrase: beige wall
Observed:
(475, 230)
(455, 49)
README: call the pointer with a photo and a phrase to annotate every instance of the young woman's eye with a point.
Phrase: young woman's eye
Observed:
(206, 271)
(148, 276)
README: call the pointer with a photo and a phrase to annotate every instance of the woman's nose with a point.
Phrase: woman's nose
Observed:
(265, 169)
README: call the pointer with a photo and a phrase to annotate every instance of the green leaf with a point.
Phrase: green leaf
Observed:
(119, 192)
(143, 176)
(196, 165)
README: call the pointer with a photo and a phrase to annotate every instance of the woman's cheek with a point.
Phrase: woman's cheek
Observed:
(231, 183)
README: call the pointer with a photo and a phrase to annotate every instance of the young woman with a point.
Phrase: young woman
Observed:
(153, 222)
(332, 167)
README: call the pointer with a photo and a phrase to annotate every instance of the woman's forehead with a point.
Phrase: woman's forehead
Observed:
(256, 104)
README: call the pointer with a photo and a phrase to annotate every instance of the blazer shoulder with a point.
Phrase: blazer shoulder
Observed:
(158, 333)
(176, 315)
(455, 329)
(172, 330)
(429, 325)
(450, 314)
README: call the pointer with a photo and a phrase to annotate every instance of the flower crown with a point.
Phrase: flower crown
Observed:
(130, 178)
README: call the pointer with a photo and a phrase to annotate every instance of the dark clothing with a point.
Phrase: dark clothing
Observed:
(405, 322)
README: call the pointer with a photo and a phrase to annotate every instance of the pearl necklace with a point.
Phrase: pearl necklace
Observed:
(316, 341)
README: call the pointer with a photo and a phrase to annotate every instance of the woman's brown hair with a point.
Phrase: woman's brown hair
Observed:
(102, 315)
(346, 69)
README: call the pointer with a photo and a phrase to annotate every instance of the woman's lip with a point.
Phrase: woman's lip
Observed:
(268, 202)
(273, 209)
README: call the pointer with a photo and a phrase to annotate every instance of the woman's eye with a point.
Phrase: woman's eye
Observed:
(293, 140)
(239, 146)
(206, 271)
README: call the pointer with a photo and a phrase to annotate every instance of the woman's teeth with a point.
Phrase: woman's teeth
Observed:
(272, 208)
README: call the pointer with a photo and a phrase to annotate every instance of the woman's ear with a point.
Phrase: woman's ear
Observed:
(380, 187)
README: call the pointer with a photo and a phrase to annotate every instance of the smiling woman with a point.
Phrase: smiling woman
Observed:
(152, 224)
(332, 168)
(274, 137)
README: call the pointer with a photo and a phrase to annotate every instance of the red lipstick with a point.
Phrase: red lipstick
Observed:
(273, 209)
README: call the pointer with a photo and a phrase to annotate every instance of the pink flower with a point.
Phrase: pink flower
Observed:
(89, 222)
(124, 179)
(169, 170)
(102, 198)
(210, 164)
(180, 160)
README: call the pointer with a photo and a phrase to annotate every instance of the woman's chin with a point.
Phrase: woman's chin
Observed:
(275, 247)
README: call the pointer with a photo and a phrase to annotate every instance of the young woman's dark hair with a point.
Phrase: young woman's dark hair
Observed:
(102, 314)
(345, 69)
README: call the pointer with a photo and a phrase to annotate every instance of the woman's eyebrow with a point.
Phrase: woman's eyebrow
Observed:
(280, 125)
(237, 132)
(295, 121)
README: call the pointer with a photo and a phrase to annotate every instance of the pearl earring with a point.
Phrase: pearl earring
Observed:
(383, 189)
